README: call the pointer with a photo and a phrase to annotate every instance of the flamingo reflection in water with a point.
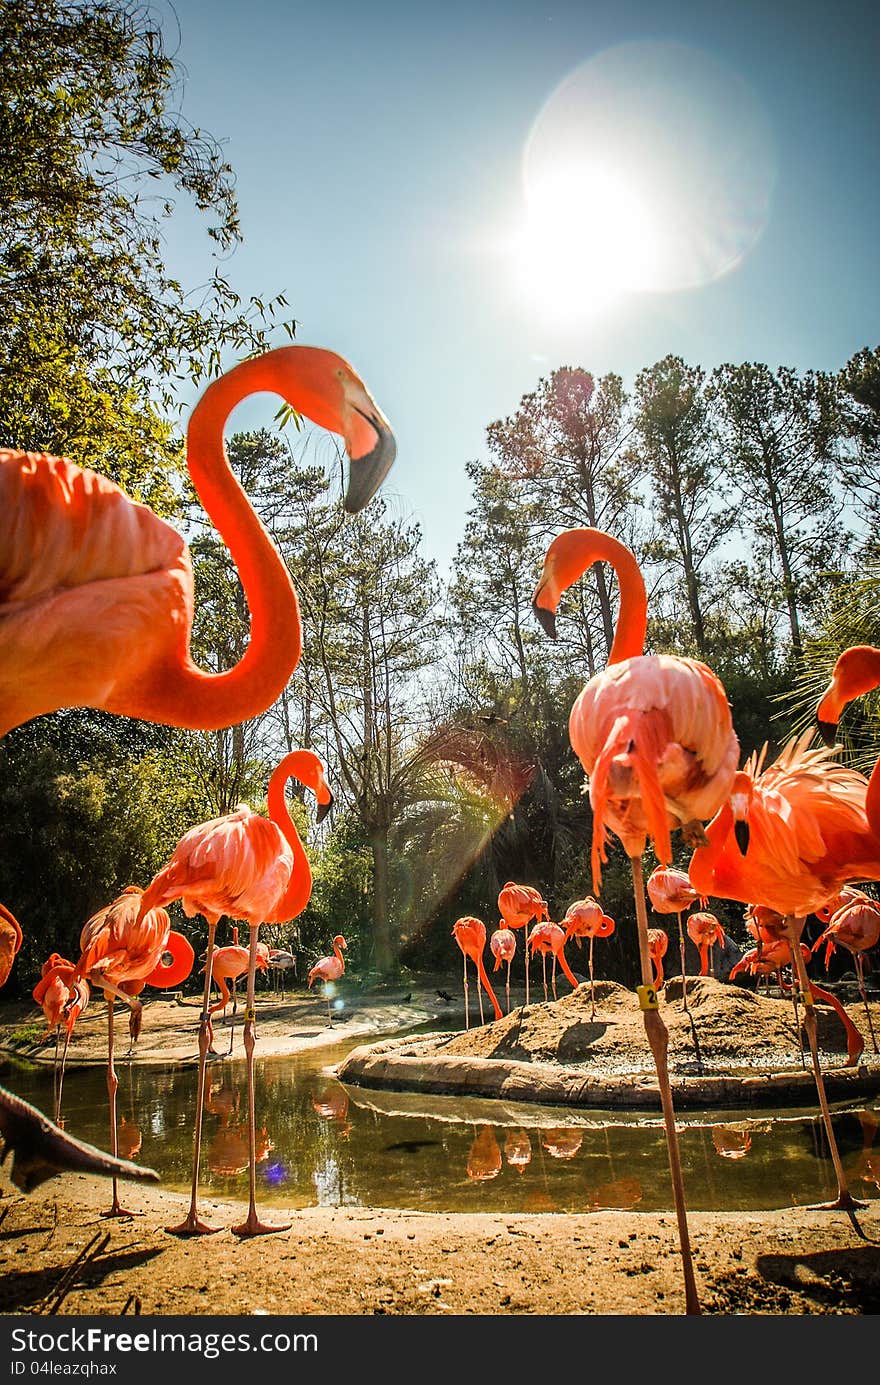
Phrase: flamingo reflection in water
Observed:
(619, 1195)
(731, 1143)
(517, 1149)
(331, 1104)
(562, 1144)
(484, 1157)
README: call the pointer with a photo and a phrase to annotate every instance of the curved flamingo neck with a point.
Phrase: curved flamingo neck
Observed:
(300, 889)
(589, 546)
(223, 699)
(705, 858)
(337, 952)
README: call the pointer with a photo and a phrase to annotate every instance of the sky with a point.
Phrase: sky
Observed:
(461, 198)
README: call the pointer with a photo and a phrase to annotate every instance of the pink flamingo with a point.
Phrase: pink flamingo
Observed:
(329, 969)
(502, 945)
(518, 905)
(855, 926)
(62, 999)
(255, 869)
(671, 892)
(10, 942)
(704, 931)
(587, 919)
(228, 964)
(658, 941)
(470, 934)
(549, 937)
(773, 957)
(121, 947)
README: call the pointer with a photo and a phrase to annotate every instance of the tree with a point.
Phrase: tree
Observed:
(778, 432)
(567, 440)
(859, 382)
(97, 334)
(674, 427)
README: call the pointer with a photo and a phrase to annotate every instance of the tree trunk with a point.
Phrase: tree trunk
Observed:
(385, 947)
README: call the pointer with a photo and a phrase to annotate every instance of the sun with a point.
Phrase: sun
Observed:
(587, 239)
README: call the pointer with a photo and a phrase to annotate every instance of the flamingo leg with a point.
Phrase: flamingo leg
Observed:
(192, 1225)
(592, 983)
(507, 988)
(252, 1226)
(58, 1120)
(116, 1208)
(658, 1038)
(553, 977)
(681, 948)
(480, 995)
(845, 1201)
(544, 972)
(55, 1098)
(467, 1020)
(860, 972)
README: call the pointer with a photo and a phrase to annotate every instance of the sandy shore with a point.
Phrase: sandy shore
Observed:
(365, 1261)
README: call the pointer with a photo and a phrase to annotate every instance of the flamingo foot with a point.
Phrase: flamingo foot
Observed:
(193, 1226)
(254, 1227)
(117, 1210)
(845, 1202)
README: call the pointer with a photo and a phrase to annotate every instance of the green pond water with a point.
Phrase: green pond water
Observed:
(322, 1142)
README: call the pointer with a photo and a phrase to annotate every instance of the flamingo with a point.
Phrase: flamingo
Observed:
(670, 892)
(484, 1156)
(470, 934)
(549, 937)
(655, 738)
(704, 931)
(773, 957)
(254, 869)
(329, 969)
(517, 1149)
(98, 591)
(502, 945)
(518, 905)
(62, 1000)
(228, 964)
(121, 946)
(855, 926)
(38, 1147)
(857, 671)
(586, 918)
(10, 942)
(658, 941)
(789, 836)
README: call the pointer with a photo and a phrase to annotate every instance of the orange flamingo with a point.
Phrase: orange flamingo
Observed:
(228, 964)
(121, 946)
(502, 945)
(517, 1149)
(704, 931)
(825, 913)
(518, 905)
(549, 937)
(855, 926)
(10, 942)
(254, 869)
(655, 738)
(857, 671)
(39, 1148)
(62, 1000)
(789, 837)
(586, 918)
(329, 969)
(671, 892)
(484, 1156)
(658, 941)
(773, 957)
(98, 591)
(470, 934)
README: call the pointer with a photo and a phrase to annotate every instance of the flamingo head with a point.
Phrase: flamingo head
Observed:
(857, 671)
(741, 793)
(339, 941)
(563, 565)
(308, 768)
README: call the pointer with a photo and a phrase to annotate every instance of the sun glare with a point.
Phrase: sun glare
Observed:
(587, 239)
(649, 168)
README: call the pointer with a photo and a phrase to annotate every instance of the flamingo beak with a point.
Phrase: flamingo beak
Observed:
(741, 832)
(368, 470)
(324, 809)
(828, 732)
(546, 619)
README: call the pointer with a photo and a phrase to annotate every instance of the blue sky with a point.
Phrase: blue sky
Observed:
(378, 151)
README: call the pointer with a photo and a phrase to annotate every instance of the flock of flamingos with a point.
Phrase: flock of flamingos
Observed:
(97, 612)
